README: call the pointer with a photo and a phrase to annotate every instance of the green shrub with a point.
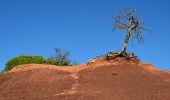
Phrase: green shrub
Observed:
(19, 60)
(65, 63)
(52, 61)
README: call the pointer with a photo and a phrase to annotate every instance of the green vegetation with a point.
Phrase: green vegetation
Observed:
(19, 60)
(60, 59)
(54, 61)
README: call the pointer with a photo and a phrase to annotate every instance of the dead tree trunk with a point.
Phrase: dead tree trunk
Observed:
(132, 26)
(125, 42)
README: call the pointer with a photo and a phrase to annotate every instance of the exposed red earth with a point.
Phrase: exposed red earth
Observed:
(117, 79)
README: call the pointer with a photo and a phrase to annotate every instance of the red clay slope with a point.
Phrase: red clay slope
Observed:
(97, 81)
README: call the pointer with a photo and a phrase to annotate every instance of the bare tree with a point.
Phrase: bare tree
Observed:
(61, 56)
(128, 21)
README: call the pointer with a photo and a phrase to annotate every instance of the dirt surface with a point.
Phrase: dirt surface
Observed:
(100, 80)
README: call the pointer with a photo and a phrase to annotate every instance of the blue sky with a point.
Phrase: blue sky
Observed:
(84, 27)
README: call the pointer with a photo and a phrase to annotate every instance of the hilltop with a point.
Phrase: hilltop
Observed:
(117, 79)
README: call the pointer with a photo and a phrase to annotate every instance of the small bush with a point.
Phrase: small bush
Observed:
(54, 61)
(19, 60)
(51, 61)
(65, 63)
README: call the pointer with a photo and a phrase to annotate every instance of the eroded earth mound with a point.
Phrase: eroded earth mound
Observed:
(116, 79)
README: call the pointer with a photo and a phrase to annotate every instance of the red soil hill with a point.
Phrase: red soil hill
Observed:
(100, 80)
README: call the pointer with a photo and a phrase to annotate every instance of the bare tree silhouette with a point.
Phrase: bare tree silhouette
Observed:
(128, 21)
